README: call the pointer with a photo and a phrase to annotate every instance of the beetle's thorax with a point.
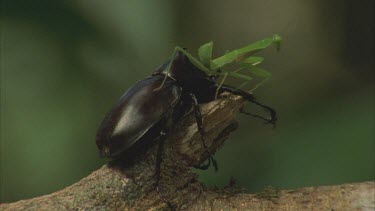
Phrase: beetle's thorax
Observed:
(183, 71)
(190, 78)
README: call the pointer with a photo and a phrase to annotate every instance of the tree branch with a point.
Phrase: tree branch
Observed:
(129, 184)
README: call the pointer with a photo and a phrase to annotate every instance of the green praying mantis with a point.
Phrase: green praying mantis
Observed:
(242, 56)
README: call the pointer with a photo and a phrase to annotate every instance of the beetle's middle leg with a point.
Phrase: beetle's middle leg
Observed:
(159, 155)
(198, 117)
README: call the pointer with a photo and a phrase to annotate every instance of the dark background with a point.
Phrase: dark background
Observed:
(65, 63)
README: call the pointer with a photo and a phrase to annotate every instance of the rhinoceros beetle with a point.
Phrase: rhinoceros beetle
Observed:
(143, 112)
(146, 107)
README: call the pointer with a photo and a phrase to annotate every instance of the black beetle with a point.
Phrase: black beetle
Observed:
(145, 108)
(143, 112)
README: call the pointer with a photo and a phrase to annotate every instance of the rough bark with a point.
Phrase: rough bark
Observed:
(122, 185)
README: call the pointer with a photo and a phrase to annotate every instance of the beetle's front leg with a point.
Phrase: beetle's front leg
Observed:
(198, 117)
(249, 97)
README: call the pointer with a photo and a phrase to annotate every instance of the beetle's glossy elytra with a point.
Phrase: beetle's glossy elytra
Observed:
(136, 112)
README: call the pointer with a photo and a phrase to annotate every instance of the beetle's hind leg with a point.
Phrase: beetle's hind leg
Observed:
(198, 117)
(249, 97)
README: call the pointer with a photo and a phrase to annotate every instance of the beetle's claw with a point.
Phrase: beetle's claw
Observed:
(272, 122)
(205, 166)
(214, 163)
(170, 205)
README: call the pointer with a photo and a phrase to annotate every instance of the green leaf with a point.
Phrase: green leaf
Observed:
(253, 60)
(250, 49)
(205, 54)
(237, 75)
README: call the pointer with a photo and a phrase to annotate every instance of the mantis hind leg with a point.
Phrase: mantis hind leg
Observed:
(249, 97)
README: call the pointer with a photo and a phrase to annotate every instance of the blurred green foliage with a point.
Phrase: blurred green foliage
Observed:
(65, 63)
